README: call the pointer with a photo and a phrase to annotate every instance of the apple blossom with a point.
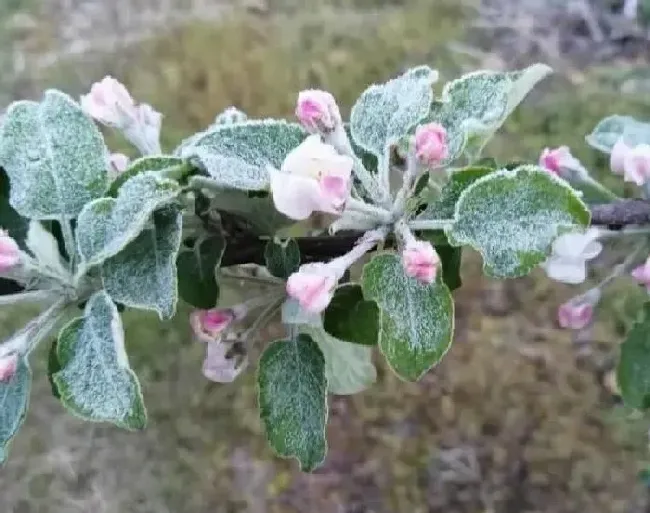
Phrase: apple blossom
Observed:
(431, 144)
(642, 274)
(317, 111)
(110, 103)
(8, 367)
(118, 163)
(577, 313)
(210, 325)
(420, 261)
(222, 364)
(314, 177)
(9, 252)
(617, 157)
(570, 252)
(558, 159)
(313, 286)
(636, 164)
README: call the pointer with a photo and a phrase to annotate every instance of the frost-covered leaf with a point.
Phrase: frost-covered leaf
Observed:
(385, 113)
(474, 107)
(237, 156)
(282, 257)
(10, 220)
(348, 367)
(443, 206)
(159, 163)
(512, 217)
(143, 274)
(230, 116)
(14, 399)
(350, 317)
(293, 399)
(54, 155)
(106, 225)
(633, 373)
(45, 248)
(612, 128)
(416, 321)
(95, 380)
(197, 269)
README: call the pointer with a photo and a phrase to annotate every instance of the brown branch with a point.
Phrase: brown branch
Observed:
(614, 215)
(621, 213)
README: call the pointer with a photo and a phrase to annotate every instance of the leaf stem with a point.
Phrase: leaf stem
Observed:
(430, 224)
(31, 296)
(69, 241)
(380, 214)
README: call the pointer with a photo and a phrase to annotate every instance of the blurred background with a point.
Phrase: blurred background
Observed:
(519, 417)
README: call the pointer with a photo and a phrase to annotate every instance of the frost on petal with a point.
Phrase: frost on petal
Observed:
(223, 361)
(312, 286)
(636, 164)
(564, 271)
(209, 325)
(420, 261)
(295, 196)
(617, 157)
(9, 252)
(317, 111)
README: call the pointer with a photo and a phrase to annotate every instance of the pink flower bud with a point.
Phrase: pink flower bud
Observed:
(617, 157)
(222, 364)
(636, 164)
(642, 274)
(118, 162)
(420, 261)
(317, 111)
(9, 252)
(110, 103)
(313, 286)
(431, 144)
(575, 316)
(557, 159)
(211, 324)
(314, 177)
(8, 367)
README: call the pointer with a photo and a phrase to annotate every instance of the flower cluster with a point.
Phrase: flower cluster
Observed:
(111, 104)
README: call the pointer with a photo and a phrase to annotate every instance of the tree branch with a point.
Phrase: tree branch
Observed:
(621, 213)
(245, 250)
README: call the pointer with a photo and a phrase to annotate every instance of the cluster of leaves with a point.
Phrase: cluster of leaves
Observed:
(160, 230)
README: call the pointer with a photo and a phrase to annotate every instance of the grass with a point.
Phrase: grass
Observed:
(510, 421)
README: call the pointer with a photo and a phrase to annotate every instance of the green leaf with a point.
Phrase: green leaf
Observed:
(385, 113)
(351, 318)
(282, 257)
(293, 399)
(10, 220)
(237, 156)
(143, 274)
(612, 128)
(259, 214)
(197, 270)
(160, 164)
(368, 160)
(54, 155)
(512, 217)
(474, 107)
(633, 372)
(348, 367)
(416, 321)
(444, 205)
(53, 366)
(14, 399)
(95, 381)
(106, 225)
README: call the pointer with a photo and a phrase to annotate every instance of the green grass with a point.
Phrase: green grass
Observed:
(509, 404)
